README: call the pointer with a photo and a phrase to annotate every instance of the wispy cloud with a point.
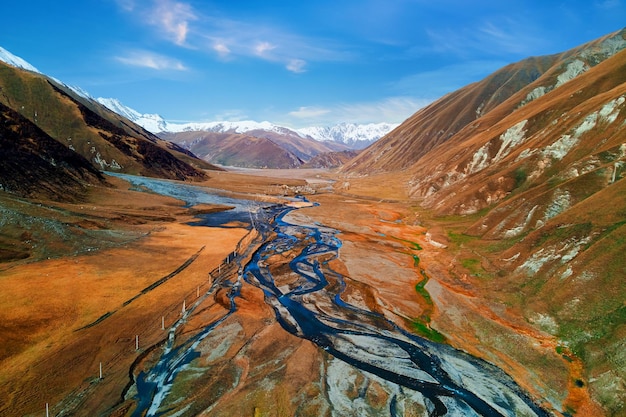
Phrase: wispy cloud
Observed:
(607, 4)
(296, 65)
(222, 49)
(306, 112)
(228, 38)
(507, 36)
(151, 60)
(173, 17)
(392, 110)
(263, 49)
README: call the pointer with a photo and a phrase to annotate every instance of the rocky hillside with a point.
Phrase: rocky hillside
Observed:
(531, 160)
(107, 140)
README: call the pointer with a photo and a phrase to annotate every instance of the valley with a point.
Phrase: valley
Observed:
(209, 299)
(467, 261)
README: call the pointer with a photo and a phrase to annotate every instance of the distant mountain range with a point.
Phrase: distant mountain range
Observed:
(355, 136)
(253, 144)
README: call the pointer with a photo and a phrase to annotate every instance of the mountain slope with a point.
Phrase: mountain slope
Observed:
(34, 165)
(254, 149)
(330, 159)
(104, 138)
(233, 149)
(530, 188)
(465, 108)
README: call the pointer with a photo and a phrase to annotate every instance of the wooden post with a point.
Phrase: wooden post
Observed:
(100, 370)
(183, 312)
(136, 342)
(198, 292)
(219, 269)
(47, 411)
(162, 322)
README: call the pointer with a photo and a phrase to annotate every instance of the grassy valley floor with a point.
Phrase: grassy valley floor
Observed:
(66, 310)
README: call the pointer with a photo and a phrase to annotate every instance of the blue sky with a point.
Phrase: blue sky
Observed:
(291, 62)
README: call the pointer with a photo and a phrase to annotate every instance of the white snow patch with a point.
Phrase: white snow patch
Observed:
(512, 258)
(16, 61)
(525, 154)
(537, 260)
(573, 70)
(567, 273)
(534, 94)
(519, 229)
(434, 243)
(610, 110)
(510, 139)
(560, 148)
(561, 202)
(480, 160)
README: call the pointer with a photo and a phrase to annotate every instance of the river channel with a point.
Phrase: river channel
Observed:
(308, 303)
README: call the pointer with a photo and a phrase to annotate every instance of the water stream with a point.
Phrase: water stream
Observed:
(309, 304)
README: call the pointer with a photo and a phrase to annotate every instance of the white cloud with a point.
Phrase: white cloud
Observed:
(222, 49)
(183, 25)
(309, 112)
(507, 36)
(391, 110)
(174, 18)
(151, 60)
(262, 48)
(296, 65)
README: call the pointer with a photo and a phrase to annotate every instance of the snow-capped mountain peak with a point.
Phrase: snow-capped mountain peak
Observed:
(16, 61)
(353, 135)
(356, 136)
(151, 122)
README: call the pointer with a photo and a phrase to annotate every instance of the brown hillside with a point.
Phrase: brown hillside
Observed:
(440, 121)
(528, 195)
(234, 149)
(34, 165)
(106, 140)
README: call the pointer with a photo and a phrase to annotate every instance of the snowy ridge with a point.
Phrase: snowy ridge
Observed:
(16, 61)
(354, 135)
(349, 133)
(151, 122)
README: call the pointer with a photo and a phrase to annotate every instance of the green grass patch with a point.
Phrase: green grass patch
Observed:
(520, 177)
(419, 288)
(421, 326)
(460, 239)
(427, 332)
